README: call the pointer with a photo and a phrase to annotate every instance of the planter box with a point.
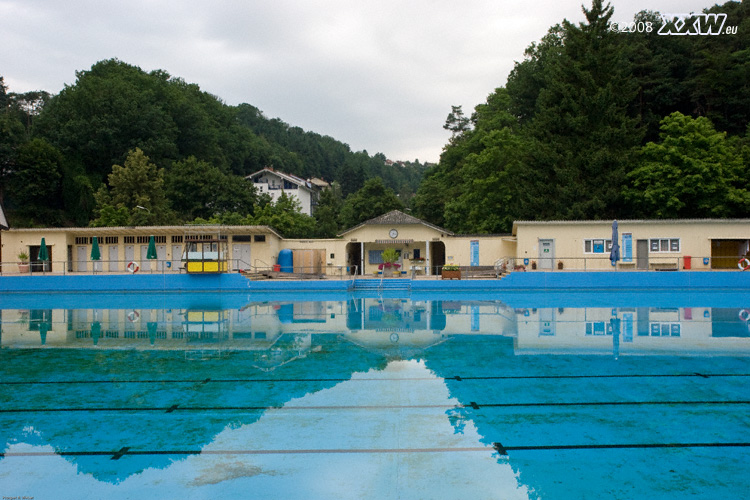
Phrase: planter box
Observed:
(451, 275)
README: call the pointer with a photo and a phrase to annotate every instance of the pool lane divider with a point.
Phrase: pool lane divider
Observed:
(473, 405)
(499, 448)
(456, 378)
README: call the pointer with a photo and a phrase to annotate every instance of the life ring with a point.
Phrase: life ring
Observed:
(744, 264)
(133, 316)
(132, 267)
(744, 315)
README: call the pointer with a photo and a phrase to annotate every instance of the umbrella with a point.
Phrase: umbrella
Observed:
(96, 331)
(95, 253)
(43, 252)
(151, 254)
(614, 254)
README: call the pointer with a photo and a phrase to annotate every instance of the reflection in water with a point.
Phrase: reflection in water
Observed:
(399, 328)
(333, 453)
(372, 397)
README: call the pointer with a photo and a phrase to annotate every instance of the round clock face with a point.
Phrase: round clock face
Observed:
(393, 233)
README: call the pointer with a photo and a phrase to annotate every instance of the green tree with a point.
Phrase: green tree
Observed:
(584, 130)
(285, 215)
(196, 188)
(372, 200)
(136, 188)
(692, 172)
(328, 211)
(37, 182)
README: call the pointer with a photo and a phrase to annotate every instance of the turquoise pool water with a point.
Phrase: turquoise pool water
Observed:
(589, 395)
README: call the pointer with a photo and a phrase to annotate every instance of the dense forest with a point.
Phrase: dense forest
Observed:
(597, 123)
(120, 138)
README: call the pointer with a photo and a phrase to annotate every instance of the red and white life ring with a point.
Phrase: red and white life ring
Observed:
(132, 267)
(133, 316)
(744, 264)
(744, 315)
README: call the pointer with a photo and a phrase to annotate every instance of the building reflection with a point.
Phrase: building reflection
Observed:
(395, 327)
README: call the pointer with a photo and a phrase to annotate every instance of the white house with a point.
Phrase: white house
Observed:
(271, 182)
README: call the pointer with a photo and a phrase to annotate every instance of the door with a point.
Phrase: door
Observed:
(641, 254)
(129, 253)
(81, 260)
(176, 257)
(546, 254)
(161, 257)
(113, 257)
(145, 263)
(240, 256)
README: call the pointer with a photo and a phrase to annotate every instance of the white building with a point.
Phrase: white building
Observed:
(269, 181)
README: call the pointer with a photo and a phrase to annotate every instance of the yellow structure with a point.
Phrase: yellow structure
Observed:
(424, 248)
(644, 244)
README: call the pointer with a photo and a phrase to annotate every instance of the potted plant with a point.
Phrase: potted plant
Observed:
(23, 262)
(451, 272)
(390, 256)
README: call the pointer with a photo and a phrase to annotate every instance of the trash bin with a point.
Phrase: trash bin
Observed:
(277, 267)
(687, 262)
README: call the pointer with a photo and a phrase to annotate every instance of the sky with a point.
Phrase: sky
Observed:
(380, 76)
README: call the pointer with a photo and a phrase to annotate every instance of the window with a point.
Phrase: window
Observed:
(177, 239)
(242, 238)
(597, 246)
(259, 238)
(111, 240)
(129, 239)
(82, 240)
(664, 245)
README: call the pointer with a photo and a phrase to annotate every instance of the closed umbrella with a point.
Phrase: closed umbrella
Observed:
(96, 254)
(151, 254)
(43, 256)
(43, 252)
(614, 254)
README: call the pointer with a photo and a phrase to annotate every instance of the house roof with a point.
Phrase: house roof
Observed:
(152, 230)
(287, 177)
(393, 218)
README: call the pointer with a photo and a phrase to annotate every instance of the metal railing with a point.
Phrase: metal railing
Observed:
(501, 267)
(654, 262)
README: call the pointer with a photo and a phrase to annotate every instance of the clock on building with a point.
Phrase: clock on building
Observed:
(393, 233)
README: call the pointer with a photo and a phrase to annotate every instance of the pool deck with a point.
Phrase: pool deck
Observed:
(734, 280)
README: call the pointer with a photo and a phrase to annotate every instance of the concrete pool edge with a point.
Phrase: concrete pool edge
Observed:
(516, 281)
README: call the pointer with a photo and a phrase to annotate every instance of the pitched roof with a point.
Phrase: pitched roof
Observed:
(395, 217)
(287, 177)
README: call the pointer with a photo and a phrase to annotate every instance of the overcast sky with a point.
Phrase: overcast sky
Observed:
(378, 75)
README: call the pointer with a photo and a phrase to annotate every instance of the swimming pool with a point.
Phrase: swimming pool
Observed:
(336, 395)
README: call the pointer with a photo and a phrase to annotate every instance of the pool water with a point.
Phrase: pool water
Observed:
(240, 396)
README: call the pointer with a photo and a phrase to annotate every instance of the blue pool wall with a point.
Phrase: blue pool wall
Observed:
(515, 281)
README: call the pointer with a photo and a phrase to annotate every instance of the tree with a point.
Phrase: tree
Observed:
(196, 188)
(372, 200)
(286, 217)
(137, 188)
(327, 212)
(36, 182)
(584, 131)
(692, 172)
(456, 122)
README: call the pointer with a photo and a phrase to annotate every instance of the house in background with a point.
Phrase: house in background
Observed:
(268, 181)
